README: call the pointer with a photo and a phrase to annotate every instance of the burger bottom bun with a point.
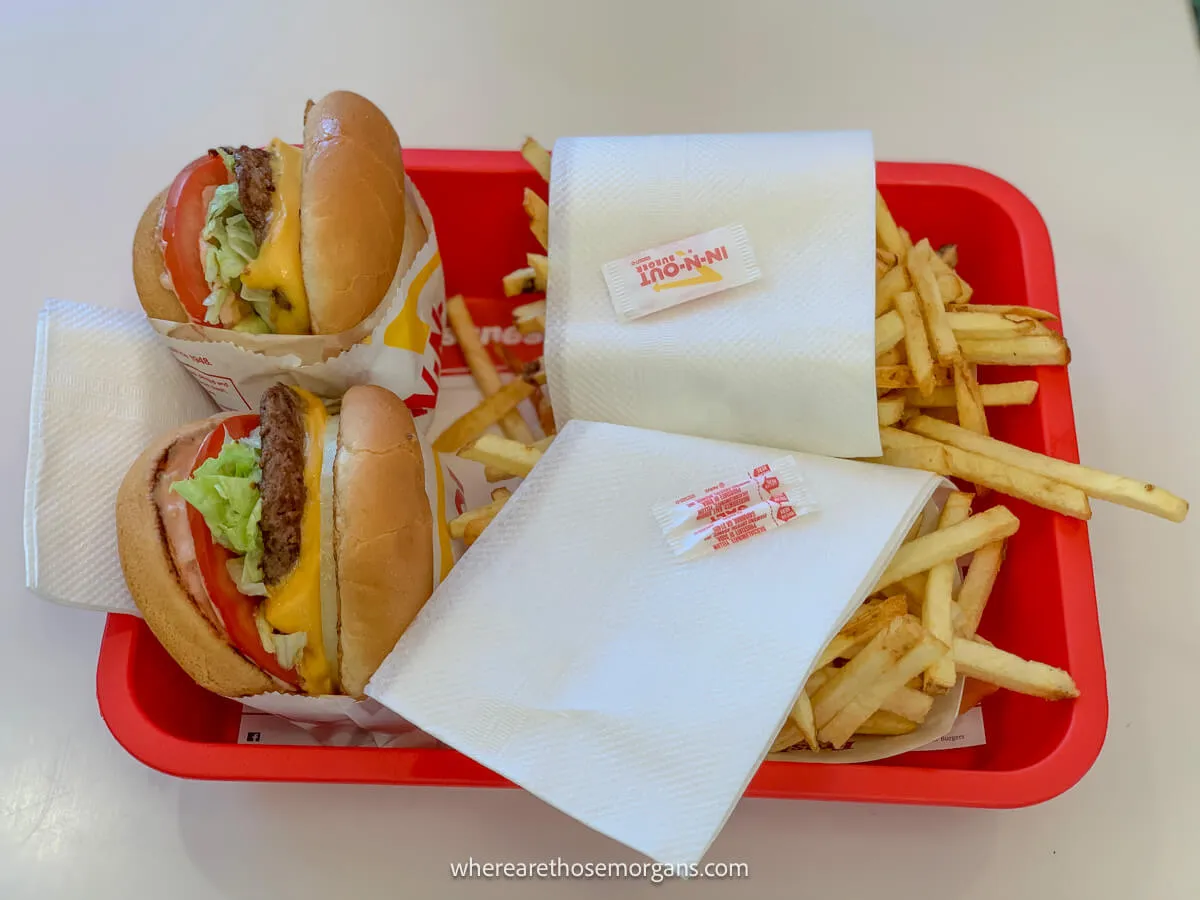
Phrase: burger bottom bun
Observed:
(158, 301)
(383, 529)
(172, 614)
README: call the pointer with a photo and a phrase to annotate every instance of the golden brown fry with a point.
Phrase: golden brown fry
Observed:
(802, 716)
(891, 408)
(892, 283)
(884, 260)
(916, 344)
(1034, 350)
(1009, 671)
(949, 286)
(1093, 482)
(513, 457)
(948, 253)
(968, 398)
(889, 331)
(541, 403)
(1027, 312)
(977, 587)
(487, 413)
(887, 235)
(933, 307)
(985, 326)
(947, 545)
(539, 217)
(881, 653)
(537, 156)
(914, 705)
(886, 724)
(458, 526)
(541, 270)
(894, 357)
(530, 317)
(867, 621)
(518, 282)
(1009, 393)
(892, 377)
(939, 590)
(481, 365)
(492, 474)
(789, 736)
(909, 657)
(983, 471)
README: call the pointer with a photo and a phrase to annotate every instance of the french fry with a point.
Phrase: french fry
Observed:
(911, 654)
(914, 590)
(956, 289)
(458, 526)
(939, 589)
(977, 587)
(789, 736)
(518, 282)
(891, 409)
(889, 331)
(974, 693)
(481, 365)
(968, 398)
(512, 457)
(983, 326)
(933, 307)
(541, 403)
(818, 678)
(802, 716)
(880, 654)
(916, 344)
(531, 317)
(950, 288)
(541, 270)
(892, 283)
(491, 474)
(887, 235)
(1009, 393)
(947, 545)
(1093, 482)
(1027, 312)
(1011, 672)
(488, 412)
(908, 702)
(918, 451)
(867, 621)
(948, 253)
(894, 357)
(1034, 350)
(537, 156)
(539, 217)
(884, 260)
(886, 724)
(892, 377)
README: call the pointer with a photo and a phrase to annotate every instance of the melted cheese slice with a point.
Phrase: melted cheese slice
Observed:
(295, 603)
(277, 266)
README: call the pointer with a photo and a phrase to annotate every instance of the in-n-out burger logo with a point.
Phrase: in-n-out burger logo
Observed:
(665, 273)
(674, 273)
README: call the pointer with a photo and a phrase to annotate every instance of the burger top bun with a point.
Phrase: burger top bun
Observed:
(384, 530)
(158, 300)
(351, 210)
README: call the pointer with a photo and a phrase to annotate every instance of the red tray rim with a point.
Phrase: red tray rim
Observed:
(907, 784)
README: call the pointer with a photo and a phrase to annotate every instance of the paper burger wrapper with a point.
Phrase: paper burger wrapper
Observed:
(397, 346)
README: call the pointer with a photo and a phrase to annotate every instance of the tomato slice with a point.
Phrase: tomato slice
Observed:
(235, 608)
(182, 224)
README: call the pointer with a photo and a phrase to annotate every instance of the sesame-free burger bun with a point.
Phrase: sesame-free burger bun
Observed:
(352, 210)
(158, 300)
(384, 531)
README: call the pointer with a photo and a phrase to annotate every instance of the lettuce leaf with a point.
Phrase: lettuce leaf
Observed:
(224, 490)
(230, 246)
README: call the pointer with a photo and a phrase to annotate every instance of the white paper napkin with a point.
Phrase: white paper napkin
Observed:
(573, 653)
(786, 361)
(104, 385)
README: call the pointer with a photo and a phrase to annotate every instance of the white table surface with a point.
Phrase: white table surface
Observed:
(1092, 108)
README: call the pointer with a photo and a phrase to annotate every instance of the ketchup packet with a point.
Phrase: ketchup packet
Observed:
(729, 512)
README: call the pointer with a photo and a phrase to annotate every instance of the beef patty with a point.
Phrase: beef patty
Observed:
(252, 169)
(283, 452)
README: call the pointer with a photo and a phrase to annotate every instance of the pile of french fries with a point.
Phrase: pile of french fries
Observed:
(916, 634)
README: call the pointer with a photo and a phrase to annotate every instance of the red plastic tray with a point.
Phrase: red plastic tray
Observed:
(1044, 605)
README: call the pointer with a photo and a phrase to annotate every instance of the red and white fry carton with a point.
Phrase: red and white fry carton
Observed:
(397, 346)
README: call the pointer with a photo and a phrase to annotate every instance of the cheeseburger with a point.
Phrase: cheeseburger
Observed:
(284, 551)
(292, 240)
